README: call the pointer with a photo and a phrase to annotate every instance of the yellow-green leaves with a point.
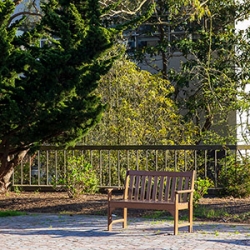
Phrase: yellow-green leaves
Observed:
(139, 109)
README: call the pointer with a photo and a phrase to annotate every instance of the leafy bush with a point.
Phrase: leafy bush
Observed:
(234, 177)
(80, 177)
(201, 187)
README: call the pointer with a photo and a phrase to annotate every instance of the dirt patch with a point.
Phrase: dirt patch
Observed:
(59, 202)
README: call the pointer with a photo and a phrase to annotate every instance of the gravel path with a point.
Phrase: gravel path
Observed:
(53, 231)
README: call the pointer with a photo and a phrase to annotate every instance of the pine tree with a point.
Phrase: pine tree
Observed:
(47, 92)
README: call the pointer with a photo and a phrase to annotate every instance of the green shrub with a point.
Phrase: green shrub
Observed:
(201, 187)
(80, 177)
(234, 177)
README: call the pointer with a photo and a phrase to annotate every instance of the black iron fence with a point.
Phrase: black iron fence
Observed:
(111, 162)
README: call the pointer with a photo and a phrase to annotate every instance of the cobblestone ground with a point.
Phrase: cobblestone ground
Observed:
(48, 231)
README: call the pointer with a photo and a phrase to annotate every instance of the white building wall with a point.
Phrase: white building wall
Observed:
(243, 117)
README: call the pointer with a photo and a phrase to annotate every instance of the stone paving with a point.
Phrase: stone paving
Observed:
(49, 231)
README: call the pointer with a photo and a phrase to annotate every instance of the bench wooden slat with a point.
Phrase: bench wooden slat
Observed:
(173, 188)
(131, 187)
(185, 196)
(154, 194)
(143, 185)
(158, 173)
(148, 196)
(167, 195)
(180, 186)
(137, 185)
(161, 188)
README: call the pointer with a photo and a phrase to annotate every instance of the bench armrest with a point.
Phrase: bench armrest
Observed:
(184, 191)
(111, 188)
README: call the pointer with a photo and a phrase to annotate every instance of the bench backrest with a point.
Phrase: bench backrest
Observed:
(157, 185)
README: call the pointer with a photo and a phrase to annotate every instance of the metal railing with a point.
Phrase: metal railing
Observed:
(111, 162)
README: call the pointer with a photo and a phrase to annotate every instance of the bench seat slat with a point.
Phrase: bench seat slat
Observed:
(148, 205)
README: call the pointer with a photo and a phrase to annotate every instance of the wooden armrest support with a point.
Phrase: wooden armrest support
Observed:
(184, 191)
(111, 188)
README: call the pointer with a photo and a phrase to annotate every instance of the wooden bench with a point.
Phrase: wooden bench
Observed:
(157, 190)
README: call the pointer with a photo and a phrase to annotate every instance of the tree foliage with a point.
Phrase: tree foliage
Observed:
(139, 109)
(207, 80)
(47, 92)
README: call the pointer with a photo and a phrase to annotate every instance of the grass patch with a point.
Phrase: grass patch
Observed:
(11, 213)
(209, 213)
(241, 217)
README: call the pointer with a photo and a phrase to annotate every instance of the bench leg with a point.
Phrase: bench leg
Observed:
(109, 219)
(176, 221)
(190, 218)
(125, 217)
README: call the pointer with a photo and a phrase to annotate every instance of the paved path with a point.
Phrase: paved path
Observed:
(48, 231)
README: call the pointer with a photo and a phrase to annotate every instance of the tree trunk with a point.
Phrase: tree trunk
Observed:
(5, 180)
(7, 168)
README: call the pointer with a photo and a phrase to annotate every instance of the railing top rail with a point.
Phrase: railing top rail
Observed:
(150, 147)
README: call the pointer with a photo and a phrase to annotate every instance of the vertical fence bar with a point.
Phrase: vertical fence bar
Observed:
(21, 172)
(225, 162)
(91, 157)
(109, 165)
(215, 169)
(205, 164)
(100, 167)
(30, 162)
(195, 161)
(118, 168)
(166, 160)
(156, 160)
(185, 160)
(47, 168)
(137, 159)
(56, 173)
(127, 151)
(56, 161)
(175, 160)
(64, 162)
(13, 179)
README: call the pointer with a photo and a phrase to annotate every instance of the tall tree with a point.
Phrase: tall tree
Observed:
(208, 84)
(206, 81)
(140, 110)
(47, 93)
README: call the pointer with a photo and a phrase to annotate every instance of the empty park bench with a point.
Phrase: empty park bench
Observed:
(156, 190)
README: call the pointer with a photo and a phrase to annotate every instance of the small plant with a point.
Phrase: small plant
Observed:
(37, 191)
(201, 187)
(80, 177)
(17, 189)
